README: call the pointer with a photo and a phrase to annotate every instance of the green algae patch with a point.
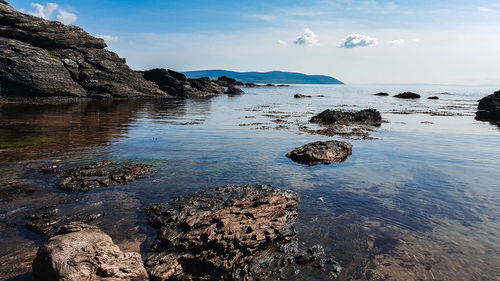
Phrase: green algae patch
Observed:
(54, 55)
(26, 143)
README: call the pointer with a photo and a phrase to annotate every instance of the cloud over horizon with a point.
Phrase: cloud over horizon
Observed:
(358, 40)
(108, 38)
(46, 12)
(308, 38)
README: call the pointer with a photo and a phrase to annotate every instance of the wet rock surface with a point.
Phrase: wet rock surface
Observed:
(178, 85)
(366, 116)
(98, 175)
(232, 90)
(321, 152)
(83, 252)
(42, 59)
(407, 95)
(227, 233)
(489, 108)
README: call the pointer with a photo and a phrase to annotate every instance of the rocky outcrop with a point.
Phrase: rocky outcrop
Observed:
(232, 90)
(83, 252)
(489, 108)
(42, 59)
(366, 117)
(177, 84)
(321, 152)
(381, 94)
(226, 81)
(433, 98)
(98, 175)
(50, 221)
(226, 233)
(301, 96)
(407, 95)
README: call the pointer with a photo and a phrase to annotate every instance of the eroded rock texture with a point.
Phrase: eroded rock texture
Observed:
(227, 233)
(83, 252)
(321, 152)
(366, 117)
(48, 60)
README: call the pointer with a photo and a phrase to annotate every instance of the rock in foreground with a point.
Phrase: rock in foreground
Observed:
(226, 233)
(366, 116)
(407, 95)
(321, 152)
(489, 108)
(232, 90)
(99, 174)
(47, 60)
(83, 252)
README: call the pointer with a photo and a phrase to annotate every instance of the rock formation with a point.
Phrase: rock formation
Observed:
(321, 152)
(226, 81)
(47, 60)
(407, 95)
(301, 96)
(381, 94)
(489, 108)
(83, 252)
(433, 98)
(227, 233)
(232, 90)
(366, 117)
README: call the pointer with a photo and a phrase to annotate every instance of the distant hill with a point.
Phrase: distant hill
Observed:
(275, 77)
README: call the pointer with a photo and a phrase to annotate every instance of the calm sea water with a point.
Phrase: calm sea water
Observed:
(420, 200)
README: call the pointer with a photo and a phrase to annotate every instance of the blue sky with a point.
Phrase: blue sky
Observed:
(356, 41)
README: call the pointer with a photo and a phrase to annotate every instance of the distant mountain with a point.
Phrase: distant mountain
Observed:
(275, 77)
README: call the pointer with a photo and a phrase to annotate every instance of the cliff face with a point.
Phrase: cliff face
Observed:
(47, 59)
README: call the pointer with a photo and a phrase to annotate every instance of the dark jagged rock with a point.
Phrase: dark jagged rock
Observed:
(252, 85)
(232, 90)
(99, 174)
(50, 222)
(321, 152)
(270, 85)
(176, 84)
(381, 94)
(366, 116)
(489, 108)
(226, 81)
(301, 96)
(407, 95)
(84, 252)
(42, 59)
(433, 98)
(226, 233)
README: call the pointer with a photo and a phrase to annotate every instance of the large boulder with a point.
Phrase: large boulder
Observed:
(42, 59)
(321, 152)
(225, 81)
(83, 252)
(232, 90)
(366, 117)
(226, 233)
(407, 95)
(489, 108)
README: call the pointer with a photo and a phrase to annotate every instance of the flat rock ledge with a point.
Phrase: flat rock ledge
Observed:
(227, 233)
(98, 175)
(321, 152)
(84, 252)
(366, 117)
(489, 108)
(407, 95)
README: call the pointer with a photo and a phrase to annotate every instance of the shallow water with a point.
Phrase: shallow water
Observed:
(419, 200)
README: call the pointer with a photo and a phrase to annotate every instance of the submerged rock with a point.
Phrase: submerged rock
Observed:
(300, 96)
(407, 95)
(232, 90)
(321, 152)
(48, 60)
(99, 174)
(227, 233)
(489, 108)
(50, 222)
(381, 94)
(366, 116)
(83, 252)
(177, 84)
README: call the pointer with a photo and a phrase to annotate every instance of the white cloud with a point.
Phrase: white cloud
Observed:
(46, 12)
(281, 42)
(109, 38)
(308, 38)
(42, 11)
(397, 42)
(66, 17)
(358, 40)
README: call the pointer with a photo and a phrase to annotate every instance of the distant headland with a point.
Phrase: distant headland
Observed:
(277, 77)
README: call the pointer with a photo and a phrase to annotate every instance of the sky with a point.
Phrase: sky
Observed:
(355, 41)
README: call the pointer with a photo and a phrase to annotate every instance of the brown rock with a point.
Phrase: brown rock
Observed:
(321, 152)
